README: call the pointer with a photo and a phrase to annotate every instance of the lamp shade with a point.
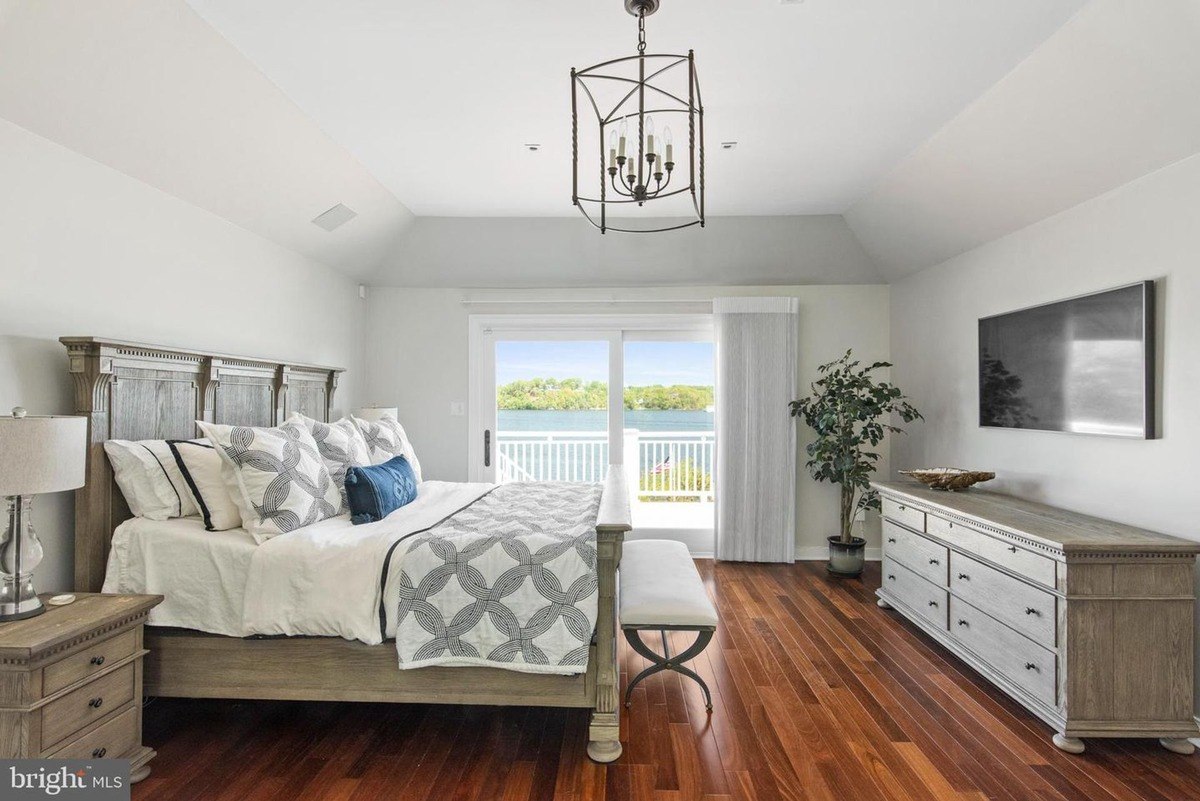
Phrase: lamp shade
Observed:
(374, 413)
(42, 454)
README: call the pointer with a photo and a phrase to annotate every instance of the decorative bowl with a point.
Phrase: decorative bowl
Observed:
(948, 478)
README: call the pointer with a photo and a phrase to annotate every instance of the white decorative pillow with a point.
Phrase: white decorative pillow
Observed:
(385, 439)
(201, 469)
(276, 477)
(341, 446)
(150, 479)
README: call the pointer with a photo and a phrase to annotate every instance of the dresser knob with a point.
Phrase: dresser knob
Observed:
(934, 562)
(1012, 548)
(1029, 610)
(891, 539)
(964, 577)
(99, 753)
(97, 661)
(933, 603)
(901, 508)
(951, 525)
(891, 577)
(1031, 666)
(963, 623)
(96, 703)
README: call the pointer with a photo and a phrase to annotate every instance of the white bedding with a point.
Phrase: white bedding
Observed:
(201, 574)
(321, 580)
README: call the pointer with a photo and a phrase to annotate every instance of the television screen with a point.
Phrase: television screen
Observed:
(1084, 365)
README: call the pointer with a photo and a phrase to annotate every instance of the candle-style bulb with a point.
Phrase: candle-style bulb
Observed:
(621, 148)
(668, 140)
(649, 134)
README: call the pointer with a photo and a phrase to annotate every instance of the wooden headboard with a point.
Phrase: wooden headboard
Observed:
(129, 390)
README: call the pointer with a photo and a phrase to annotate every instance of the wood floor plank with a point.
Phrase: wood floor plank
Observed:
(818, 695)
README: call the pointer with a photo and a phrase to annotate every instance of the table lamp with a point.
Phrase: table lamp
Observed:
(37, 455)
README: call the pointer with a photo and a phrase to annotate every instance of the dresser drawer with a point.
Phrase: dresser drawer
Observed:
(916, 593)
(84, 663)
(80, 708)
(903, 513)
(1019, 560)
(1029, 610)
(111, 740)
(1020, 660)
(923, 556)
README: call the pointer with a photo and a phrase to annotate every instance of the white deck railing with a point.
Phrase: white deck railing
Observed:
(669, 464)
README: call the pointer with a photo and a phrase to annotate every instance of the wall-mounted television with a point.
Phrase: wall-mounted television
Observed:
(1083, 365)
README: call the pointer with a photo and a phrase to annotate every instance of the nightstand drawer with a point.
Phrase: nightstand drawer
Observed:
(112, 740)
(80, 708)
(87, 662)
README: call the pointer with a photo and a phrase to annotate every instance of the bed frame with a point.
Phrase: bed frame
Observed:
(129, 390)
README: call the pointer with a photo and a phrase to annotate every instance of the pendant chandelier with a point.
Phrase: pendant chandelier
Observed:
(635, 165)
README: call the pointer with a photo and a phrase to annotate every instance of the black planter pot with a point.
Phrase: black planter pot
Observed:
(846, 559)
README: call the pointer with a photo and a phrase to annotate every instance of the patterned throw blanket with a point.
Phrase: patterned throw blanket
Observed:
(509, 581)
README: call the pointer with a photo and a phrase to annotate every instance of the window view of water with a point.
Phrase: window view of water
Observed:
(597, 420)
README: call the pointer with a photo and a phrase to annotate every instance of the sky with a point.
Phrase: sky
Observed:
(645, 362)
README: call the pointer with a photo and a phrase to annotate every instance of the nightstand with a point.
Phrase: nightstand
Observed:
(71, 682)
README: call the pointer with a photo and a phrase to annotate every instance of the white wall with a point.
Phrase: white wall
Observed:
(85, 250)
(417, 353)
(1147, 229)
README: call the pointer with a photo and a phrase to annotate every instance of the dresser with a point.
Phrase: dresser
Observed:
(71, 682)
(1086, 623)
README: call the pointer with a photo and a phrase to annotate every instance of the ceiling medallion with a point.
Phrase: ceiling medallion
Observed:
(635, 165)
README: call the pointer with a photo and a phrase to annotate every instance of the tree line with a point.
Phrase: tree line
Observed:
(574, 394)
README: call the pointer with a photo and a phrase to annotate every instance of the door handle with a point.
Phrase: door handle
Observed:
(487, 447)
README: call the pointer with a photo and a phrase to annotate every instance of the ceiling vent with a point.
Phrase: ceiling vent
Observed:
(335, 217)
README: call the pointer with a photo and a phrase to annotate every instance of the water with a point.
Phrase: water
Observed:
(537, 420)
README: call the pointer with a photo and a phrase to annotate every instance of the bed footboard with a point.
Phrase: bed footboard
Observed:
(612, 521)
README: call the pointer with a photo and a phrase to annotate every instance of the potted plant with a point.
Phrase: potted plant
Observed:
(847, 409)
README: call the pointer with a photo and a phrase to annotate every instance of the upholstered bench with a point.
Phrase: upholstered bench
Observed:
(661, 591)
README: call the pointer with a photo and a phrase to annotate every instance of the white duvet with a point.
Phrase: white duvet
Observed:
(321, 580)
(326, 579)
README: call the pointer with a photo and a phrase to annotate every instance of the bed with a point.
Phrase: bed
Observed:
(136, 391)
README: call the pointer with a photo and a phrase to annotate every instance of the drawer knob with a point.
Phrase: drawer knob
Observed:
(96, 703)
(963, 623)
(964, 577)
(891, 577)
(1012, 548)
(891, 539)
(934, 562)
(99, 753)
(97, 661)
(1029, 610)
(933, 603)
(1031, 666)
(951, 525)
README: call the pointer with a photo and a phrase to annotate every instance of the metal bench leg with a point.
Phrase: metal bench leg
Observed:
(666, 661)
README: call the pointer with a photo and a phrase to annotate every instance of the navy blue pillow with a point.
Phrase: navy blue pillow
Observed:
(375, 492)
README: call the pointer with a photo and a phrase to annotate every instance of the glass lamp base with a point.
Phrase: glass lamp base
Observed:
(20, 553)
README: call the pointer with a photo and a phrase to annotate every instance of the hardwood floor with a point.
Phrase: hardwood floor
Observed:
(817, 694)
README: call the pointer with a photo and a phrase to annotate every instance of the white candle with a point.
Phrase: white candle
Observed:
(650, 143)
(622, 153)
(612, 157)
(669, 154)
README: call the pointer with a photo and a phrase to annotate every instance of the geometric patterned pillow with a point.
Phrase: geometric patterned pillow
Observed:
(385, 439)
(275, 475)
(341, 445)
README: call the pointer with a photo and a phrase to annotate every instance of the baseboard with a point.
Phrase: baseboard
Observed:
(820, 553)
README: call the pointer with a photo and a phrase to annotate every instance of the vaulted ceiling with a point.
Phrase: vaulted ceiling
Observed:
(930, 126)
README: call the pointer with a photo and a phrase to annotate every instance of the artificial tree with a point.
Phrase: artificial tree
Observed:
(849, 409)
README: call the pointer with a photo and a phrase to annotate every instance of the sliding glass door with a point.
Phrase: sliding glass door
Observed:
(567, 398)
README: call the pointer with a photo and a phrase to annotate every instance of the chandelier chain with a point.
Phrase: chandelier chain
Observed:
(642, 30)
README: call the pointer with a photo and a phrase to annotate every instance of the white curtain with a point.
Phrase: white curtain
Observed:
(756, 437)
